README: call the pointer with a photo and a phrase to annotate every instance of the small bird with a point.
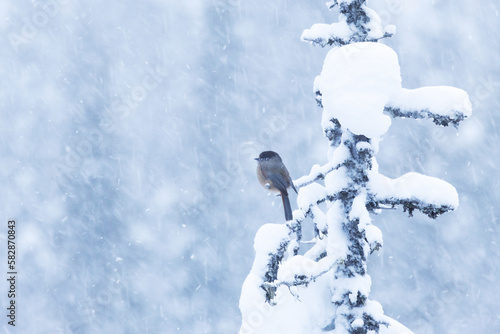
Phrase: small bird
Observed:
(274, 176)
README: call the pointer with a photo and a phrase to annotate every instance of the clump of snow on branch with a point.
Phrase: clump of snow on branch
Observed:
(268, 239)
(356, 83)
(428, 194)
(337, 245)
(293, 309)
(321, 33)
(368, 27)
(337, 159)
(372, 233)
(311, 195)
(444, 105)
(414, 185)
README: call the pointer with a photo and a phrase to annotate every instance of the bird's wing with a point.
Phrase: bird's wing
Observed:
(279, 183)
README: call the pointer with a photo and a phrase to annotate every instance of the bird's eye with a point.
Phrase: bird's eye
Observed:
(267, 159)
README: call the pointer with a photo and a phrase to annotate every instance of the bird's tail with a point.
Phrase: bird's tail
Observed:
(287, 207)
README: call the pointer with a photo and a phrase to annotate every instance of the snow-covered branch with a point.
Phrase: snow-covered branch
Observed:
(311, 195)
(430, 195)
(444, 105)
(319, 172)
(357, 23)
(301, 271)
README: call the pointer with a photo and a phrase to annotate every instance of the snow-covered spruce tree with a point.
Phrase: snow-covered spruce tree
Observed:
(327, 288)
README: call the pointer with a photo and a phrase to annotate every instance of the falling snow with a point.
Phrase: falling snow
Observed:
(128, 132)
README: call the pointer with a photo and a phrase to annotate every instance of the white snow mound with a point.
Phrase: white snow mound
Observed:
(356, 83)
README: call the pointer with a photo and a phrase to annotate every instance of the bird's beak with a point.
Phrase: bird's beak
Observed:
(256, 159)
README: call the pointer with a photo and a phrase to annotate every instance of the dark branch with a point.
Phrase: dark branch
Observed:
(410, 205)
(298, 280)
(443, 120)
